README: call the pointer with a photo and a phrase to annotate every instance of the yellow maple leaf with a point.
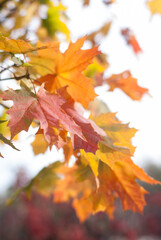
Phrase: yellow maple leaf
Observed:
(14, 46)
(39, 145)
(154, 6)
(119, 134)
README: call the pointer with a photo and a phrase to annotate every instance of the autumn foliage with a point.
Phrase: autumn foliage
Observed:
(54, 90)
(38, 218)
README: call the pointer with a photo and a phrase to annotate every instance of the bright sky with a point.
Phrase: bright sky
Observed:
(146, 67)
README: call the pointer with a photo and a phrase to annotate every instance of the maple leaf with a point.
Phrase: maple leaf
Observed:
(154, 6)
(91, 195)
(119, 134)
(53, 112)
(44, 60)
(127, 84)
(114, 170)
(87, 126)
(122, 180)
(68, 69)
(96, 180)
(114, 180)
(131, 40)
(14, 46)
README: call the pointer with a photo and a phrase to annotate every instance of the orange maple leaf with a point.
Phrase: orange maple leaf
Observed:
(68, 70)
(127, 84)
(91, 195)
(116, 180)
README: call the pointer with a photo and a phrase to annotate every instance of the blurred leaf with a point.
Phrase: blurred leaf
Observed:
(96, 36)
(53, 22)
(45, 181)
(127, 84)
(154, 6)
(39, 145)
(131, 40)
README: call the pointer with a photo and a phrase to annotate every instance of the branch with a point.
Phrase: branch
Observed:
(27, 75)
(7, 68)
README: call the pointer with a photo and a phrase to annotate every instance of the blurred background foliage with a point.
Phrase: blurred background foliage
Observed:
(39, 218)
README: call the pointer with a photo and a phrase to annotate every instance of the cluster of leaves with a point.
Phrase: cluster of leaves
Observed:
(39, 218)
(54, 89)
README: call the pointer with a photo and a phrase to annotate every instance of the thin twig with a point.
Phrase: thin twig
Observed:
(7, 68)
(27, 75)
(3, 105)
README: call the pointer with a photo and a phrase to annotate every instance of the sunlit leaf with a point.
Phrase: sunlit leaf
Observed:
(68, 72)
